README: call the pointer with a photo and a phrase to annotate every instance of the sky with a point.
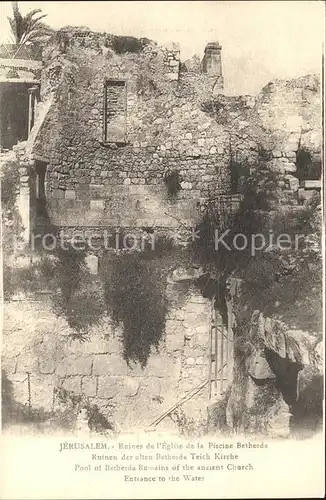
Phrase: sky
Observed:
(261, 40)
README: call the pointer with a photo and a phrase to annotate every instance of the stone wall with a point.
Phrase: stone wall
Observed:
(166, 129)
(41, 355)
(272, 128)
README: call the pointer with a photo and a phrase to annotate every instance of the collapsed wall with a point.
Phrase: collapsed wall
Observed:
(96, 175)
(281, 129)
(123, 119)
(277, 384)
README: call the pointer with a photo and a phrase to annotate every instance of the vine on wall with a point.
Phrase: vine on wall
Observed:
(135, 297)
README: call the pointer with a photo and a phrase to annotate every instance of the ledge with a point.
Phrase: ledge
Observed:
(311, 184)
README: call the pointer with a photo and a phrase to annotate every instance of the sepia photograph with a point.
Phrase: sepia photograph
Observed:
(161, 172)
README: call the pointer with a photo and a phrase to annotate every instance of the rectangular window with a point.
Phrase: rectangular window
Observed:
(115, 111)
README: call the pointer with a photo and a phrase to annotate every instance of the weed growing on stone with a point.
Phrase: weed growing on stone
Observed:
(135, 296)
(173, 180)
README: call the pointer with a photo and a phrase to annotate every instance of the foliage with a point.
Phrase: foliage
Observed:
(255, 417)
(251, 218)
(135, 296)
(77, 296)
(288, 283)
(173, 180)
(71, 404)
(63, 415)
(123, 44)
(18, 413)
(9, 184)
(307, 168)
(189, 427)
(146, 81)
(11, 221)
(239, 173)
(28, 28)
(307, 411)
(131, 286)
(217, 415)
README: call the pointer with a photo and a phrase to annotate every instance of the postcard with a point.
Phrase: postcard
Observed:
(162, 249)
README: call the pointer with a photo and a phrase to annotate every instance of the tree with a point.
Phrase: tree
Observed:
(28, 28)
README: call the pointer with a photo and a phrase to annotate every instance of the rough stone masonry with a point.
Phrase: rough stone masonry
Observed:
(116, 116)
(120, 122)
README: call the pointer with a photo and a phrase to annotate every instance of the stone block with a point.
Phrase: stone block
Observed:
(290, 167)
(74, 365)
(160, 365)
(70, 194)
(42, 388)
(117, 387)
(189, 332)
(293, 182)
(187, 385)
(182, 274)
(201, 341)
(19, 387)
(279, 418)
(27, 362)
(170, 326)
(198, 299)
(47, 362)
(97, 191)
(172, 76)
(8, 365)
(58, 194)
(258, 367)
(186, 185)
(195, 319)
(311, 184)
(104, 364)
(177, 314)
(24, 191)
(196, 308)
(195, 373)
(97, 205)
(94, 344)
(152, 386)
(72, 384)
(89, 386)
(175, 342)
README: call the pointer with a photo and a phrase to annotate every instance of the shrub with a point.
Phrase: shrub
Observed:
(173, 180)
(78, 295)
(123, 44)
(135, 297)
(68, 406)
(9, 184)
